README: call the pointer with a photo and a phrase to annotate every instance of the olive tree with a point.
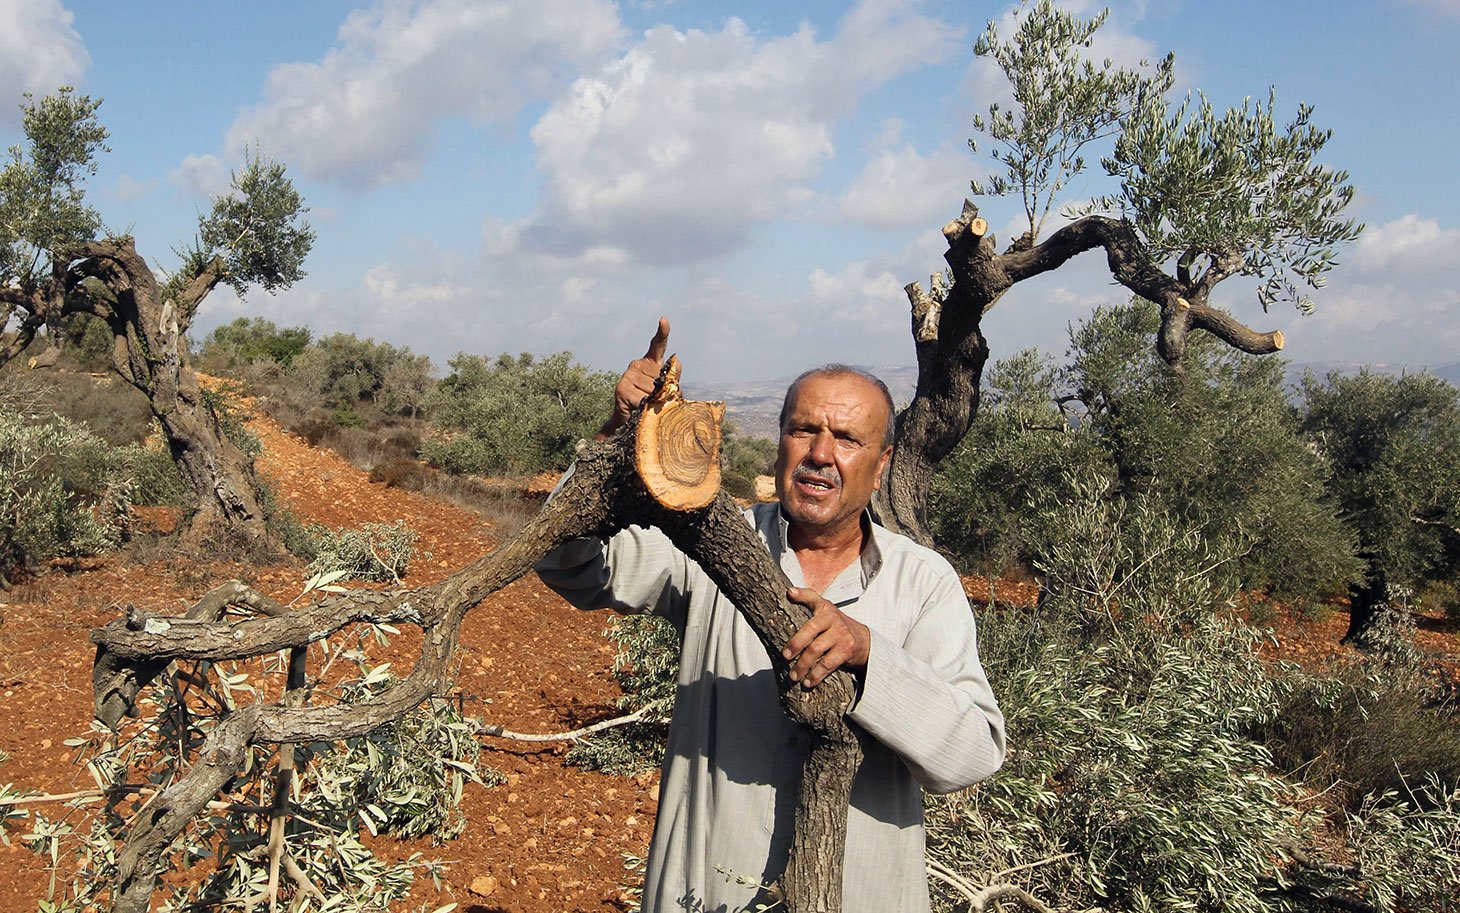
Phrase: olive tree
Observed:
(57, 260)
(1197, 197)
(1393, 449)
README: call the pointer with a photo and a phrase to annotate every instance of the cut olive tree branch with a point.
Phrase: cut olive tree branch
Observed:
(660, 469)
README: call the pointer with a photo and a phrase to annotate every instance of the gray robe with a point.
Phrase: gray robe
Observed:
(728, 791)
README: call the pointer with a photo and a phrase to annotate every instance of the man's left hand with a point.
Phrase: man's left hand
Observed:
(829, 640)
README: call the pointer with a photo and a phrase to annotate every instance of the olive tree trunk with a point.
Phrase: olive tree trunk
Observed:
(111, 281)
(951, 350)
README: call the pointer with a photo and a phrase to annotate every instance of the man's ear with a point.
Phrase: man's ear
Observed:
(882, 468)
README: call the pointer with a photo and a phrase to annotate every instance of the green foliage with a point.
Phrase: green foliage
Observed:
(246, 340)
(1236, 188)
(518, 414)
(375, 551)
(1062, 103)
(405, 777)
(63, 491)
(257, 228)
(1233, 192)
(153, 478)
(1019, 448)
(1218, 449)
(1406, 848)
(742, 459)
(88, 340)
(347, 374)
(1220, 446)
(42, 186)
(1132, 783)
(647, 668)
(1393, 448)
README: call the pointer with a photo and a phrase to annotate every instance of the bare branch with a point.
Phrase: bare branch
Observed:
(499, 732)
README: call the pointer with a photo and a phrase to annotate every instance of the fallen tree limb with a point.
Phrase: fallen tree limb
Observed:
(660, 469)
(500, 733)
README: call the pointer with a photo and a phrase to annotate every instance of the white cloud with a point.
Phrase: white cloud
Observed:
(388, 292)
(370, 109)
(860, 293)
(202, 176)
(128, 189)
(674, 150)
(1392, 290)
(902, 188)
(40, 51)
(1409, 244)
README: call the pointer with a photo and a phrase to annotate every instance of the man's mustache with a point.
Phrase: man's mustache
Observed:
(828, 474)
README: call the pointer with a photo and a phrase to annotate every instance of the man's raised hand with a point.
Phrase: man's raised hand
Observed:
(637, 381)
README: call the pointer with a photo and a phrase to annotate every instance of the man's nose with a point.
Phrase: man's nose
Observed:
(822, 448)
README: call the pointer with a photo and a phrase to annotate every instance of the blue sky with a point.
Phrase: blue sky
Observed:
(539, 175)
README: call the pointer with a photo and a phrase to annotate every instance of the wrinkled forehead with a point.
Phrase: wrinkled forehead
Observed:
(842, 398)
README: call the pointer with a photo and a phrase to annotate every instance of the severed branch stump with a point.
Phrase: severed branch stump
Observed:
(661, 469)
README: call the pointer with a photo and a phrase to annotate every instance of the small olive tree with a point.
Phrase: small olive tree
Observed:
(1393, 448)
(57, 260)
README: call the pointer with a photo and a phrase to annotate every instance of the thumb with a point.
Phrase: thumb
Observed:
(660, 342)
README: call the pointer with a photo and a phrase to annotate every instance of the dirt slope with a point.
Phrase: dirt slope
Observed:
(550, 839)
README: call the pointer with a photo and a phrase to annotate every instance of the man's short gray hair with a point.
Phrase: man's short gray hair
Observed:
(836, 369)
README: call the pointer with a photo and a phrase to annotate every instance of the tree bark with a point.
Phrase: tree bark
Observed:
(605, 494)
(111, 281)
(1366, 601)
(952, 351)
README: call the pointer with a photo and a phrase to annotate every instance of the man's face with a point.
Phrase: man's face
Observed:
(832, 452)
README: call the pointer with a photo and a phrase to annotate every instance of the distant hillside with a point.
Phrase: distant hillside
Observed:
(755, 406)
(1322, 369)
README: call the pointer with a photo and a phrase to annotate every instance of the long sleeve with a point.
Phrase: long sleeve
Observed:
(637, 571)
(927, 698)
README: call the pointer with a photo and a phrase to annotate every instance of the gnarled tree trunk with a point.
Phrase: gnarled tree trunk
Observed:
(951, 349)
(661, 469)
(111, 281)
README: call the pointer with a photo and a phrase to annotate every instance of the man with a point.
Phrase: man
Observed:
(888, 610)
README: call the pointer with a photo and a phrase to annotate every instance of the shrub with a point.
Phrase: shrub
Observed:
(248, 340)
(62, 492)
(400, 472)
(375, 551)
(349, 374)
(515, 414)
(153, 477)
(1132, 779)
(1365, 733)
(1018, 446)
(1218, 447)
(108, 407)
